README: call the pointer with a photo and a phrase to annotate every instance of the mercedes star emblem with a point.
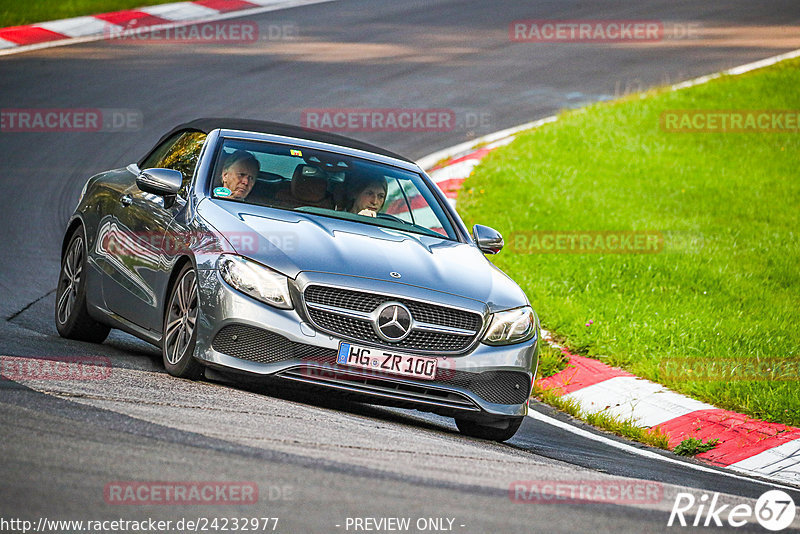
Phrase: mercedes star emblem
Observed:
(392, 321)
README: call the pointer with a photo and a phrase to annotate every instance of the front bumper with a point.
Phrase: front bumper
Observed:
(238, 333)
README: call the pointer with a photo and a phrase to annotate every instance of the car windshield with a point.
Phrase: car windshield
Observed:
(329, 184)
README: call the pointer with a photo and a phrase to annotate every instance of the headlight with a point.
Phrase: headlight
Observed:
(512, 326)
(255, 280)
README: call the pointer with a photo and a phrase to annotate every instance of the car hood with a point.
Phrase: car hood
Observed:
(292, 242)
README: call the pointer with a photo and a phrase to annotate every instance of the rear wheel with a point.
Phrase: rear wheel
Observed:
(71, 313)
(497, 431)
(180, 332)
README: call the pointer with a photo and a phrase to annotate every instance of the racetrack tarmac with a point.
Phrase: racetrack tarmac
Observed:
(316, 459)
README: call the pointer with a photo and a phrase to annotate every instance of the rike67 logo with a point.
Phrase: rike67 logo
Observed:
(774, 510)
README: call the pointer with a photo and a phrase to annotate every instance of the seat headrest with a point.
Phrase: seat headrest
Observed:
(309, 183)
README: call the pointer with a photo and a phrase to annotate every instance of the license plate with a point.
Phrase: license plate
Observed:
(384, 361)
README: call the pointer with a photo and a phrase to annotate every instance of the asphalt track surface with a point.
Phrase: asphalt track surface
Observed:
(316, 460)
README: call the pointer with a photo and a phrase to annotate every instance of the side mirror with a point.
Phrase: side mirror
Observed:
(489, 240)
(162, 182)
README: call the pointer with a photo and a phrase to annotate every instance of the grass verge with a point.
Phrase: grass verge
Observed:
(15, 13)
(551, 361)
(694, 446)
(625, 428)
(703, 315)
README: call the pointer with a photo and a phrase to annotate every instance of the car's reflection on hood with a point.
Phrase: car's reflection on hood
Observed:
(292, 241)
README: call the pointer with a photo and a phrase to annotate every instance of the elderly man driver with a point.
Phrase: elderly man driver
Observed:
(239, 174)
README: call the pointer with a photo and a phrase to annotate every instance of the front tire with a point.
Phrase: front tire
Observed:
(71, 312)
(180, 322)
(499, 431)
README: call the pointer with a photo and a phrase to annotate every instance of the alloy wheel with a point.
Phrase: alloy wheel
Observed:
(181, 318)
(70, 280)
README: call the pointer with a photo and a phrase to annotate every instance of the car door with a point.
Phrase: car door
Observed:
(133, 289)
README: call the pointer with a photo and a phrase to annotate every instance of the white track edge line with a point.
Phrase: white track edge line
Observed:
(431, 159)
(649, 454)
(735, 71)
(221, 16)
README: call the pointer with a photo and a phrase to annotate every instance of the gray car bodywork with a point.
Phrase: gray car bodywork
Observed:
(136, 243)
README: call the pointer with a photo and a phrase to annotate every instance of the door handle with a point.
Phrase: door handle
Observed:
(126, 200)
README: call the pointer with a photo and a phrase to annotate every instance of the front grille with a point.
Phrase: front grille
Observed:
(354, 327)
(351, 300)
(257, 345)
(418, 340)
(367, 302)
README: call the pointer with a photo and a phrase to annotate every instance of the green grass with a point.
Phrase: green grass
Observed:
(726, 287)
(694, 446)
(16, 12)
(551, 361)
(625, 428)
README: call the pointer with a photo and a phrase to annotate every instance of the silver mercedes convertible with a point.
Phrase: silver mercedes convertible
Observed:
(286, 254)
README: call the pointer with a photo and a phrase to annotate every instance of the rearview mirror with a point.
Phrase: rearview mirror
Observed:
(489, 240)
(162, 182)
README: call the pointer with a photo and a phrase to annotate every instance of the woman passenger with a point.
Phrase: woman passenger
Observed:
(365, 195)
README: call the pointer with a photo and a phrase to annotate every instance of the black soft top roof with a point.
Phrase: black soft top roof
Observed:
(206, 125)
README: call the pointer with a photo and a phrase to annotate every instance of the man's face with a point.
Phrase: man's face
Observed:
(240, 179)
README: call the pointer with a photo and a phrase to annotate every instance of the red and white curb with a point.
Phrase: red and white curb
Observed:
(451, 166)
(101, 26)
(746, 445)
